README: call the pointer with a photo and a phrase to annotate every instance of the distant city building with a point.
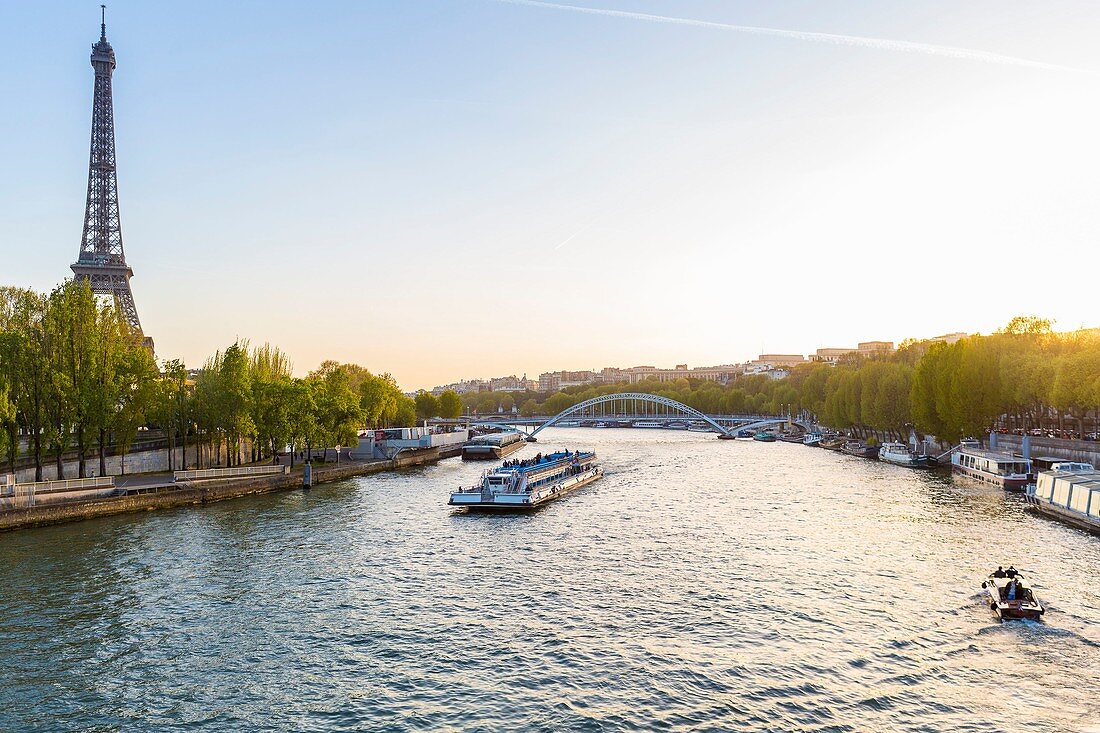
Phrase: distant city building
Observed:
(865, 348)
(511, 383)
(780, 360)
(948, 338)
(722, 374)
(554, 381)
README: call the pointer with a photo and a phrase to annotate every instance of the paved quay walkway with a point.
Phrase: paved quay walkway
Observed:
(145, 492)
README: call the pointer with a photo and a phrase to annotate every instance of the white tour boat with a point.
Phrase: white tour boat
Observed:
(902, 455)
(526, 484)
(647, 424)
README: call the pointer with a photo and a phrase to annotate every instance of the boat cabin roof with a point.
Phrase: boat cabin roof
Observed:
(992, 455)
(1072, 467)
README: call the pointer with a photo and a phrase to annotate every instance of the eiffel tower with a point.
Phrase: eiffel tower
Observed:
(102, 261)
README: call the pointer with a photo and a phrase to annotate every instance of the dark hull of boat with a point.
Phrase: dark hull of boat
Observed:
(866, 451)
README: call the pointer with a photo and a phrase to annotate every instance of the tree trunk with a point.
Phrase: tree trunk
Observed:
(102, 452)
(81, 457)
(37, 455)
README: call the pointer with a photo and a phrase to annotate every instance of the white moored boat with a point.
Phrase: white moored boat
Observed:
(1005, 470)
(900, 454)
(522, 485)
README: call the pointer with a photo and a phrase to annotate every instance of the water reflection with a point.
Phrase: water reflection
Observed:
(700, 585)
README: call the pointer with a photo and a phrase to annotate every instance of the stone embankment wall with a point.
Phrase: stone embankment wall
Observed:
(1086, 451)
(148, 461)
(204, 492)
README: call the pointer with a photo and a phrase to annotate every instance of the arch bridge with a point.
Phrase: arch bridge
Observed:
(634, 407)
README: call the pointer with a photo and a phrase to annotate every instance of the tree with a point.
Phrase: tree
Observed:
(450, 405)
(406, 412)
(302, 423)
(270, 372)
(378, 398)
(557, 402)
(234, 400)
(339, 407)
(427, 406)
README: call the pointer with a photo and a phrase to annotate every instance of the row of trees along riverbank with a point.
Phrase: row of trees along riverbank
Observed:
(1021, 377)
(75, 377)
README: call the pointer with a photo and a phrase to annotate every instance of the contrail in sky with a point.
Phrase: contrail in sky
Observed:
(840, 40)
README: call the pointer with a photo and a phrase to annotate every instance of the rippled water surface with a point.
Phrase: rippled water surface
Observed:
(702, 585)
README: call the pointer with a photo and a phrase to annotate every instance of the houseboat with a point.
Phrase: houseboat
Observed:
(902, 455)
(813, 439)
(1004, 470)
(1070, 492)
(493, 446)
(1021, 605)
(527, 484)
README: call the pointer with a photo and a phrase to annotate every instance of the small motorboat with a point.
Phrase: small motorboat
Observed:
(764, 437)
(860, 449)
(1023, 604)
(790, 437)
(746, 434)
(833, 443)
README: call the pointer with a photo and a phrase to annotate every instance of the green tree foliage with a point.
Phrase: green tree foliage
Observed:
(450, 405)
(427, 406)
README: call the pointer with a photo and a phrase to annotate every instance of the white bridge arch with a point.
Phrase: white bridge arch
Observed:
(635, 397)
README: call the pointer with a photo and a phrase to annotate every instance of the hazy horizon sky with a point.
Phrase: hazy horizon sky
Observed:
(448, 189)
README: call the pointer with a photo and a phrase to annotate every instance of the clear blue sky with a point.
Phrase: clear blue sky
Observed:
(449, 188)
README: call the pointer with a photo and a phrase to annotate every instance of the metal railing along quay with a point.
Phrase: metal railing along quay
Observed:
(237, 472)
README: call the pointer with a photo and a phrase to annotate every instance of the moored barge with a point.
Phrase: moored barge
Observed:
(1005, 470)
(492, 446)
(1070, 492)
(527, 484)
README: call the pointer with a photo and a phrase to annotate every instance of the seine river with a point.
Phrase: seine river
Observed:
(702, 585)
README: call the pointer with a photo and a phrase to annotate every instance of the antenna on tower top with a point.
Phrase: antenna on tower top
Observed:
(103, 22)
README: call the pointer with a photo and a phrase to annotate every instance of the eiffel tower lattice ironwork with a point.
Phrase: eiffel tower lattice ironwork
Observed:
(102, 261)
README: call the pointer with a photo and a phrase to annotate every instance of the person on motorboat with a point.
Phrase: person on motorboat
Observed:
(1011, 572)
(999, 572)
(1013, 590)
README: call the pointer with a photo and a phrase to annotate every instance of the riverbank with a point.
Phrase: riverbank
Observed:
(208, 491)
